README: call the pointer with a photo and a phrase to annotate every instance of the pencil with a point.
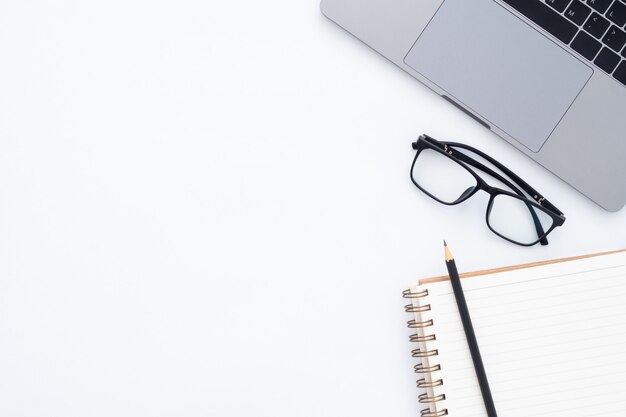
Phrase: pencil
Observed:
(469, 333)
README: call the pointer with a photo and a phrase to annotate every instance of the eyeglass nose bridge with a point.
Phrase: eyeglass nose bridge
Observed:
(467, 193)
(470, 191)
(492, 191)
(480, 185)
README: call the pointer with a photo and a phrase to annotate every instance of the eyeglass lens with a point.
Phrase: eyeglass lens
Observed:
(441, 177)
(513, 218)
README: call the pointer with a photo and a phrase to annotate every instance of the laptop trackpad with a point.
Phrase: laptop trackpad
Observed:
(500, 68)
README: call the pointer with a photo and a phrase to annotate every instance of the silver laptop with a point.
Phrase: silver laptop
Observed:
(549, 76)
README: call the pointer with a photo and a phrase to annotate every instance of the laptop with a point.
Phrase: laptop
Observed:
(549, 76)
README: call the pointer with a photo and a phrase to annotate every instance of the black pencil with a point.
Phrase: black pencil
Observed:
(469, 333)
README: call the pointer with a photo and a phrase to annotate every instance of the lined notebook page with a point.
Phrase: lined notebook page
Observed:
(553, 340)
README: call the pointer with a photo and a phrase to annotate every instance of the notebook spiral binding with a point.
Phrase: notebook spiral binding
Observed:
(425, 352)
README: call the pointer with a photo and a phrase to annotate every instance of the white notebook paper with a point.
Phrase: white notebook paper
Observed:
(552, 338)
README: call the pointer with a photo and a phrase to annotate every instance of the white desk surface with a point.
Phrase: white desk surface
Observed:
(205, 210)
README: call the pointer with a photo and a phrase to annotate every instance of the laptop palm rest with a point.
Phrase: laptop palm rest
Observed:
(500, 68)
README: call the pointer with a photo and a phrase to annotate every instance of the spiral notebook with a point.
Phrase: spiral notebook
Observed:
(552, 337)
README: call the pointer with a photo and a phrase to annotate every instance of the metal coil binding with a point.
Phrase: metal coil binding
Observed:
(410, 308)
(411, 294)
(418, 353)
(414, 324)
(426, 399)
(422, 383)
(417, 338)
(427, 413)
(421, 368)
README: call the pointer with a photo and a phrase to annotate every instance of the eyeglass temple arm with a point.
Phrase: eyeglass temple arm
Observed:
(476, 164)
(523, 184)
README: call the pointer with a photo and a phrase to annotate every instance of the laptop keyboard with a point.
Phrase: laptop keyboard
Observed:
(596, 29)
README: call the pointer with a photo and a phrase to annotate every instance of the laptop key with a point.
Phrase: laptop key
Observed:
(600, 5)
(617, 13)
(596, 25)
(544, 16)
(615, 39)
(586, 45)
(620, 73)
(607, 60)
(577, 12)
(559, 5)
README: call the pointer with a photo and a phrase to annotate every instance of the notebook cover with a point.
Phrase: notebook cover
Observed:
(515, 267)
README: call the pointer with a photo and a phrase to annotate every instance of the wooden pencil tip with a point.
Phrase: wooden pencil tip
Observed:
(449, 256)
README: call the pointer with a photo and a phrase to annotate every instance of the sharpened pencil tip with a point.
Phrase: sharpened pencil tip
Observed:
(449, 256)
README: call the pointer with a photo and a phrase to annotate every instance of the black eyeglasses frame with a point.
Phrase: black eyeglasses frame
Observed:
(537, 202)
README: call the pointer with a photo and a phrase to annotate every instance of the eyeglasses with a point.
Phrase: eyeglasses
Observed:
(443, 172)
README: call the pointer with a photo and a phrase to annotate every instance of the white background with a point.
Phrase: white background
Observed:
(205, 210)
